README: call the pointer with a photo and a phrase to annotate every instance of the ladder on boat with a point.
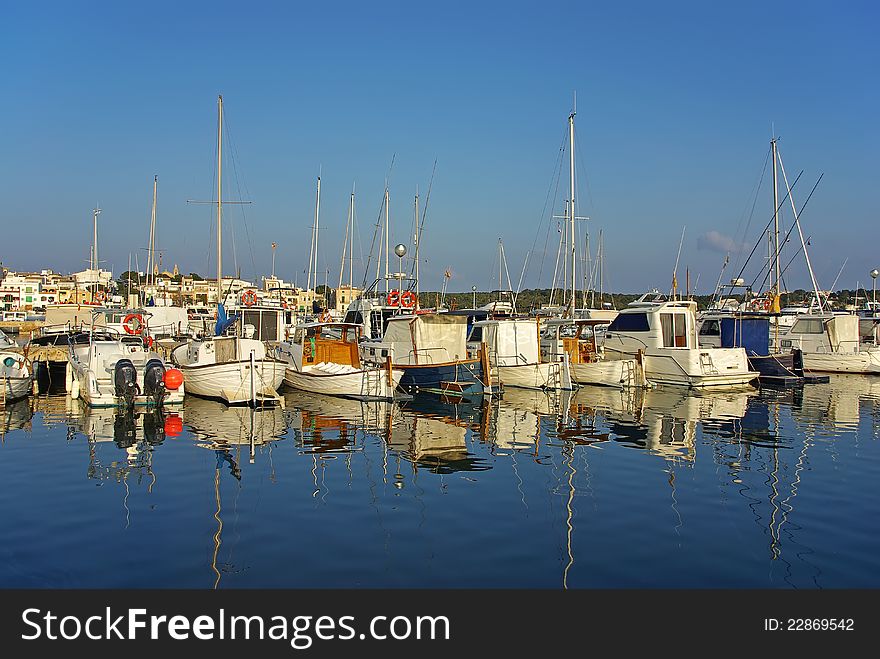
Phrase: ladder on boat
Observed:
(707, 365)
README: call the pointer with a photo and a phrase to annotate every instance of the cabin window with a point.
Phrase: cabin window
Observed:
(476, 334)
(354, 318)
(710, 328)
(808, 326)
(674, 327)
(629, 322)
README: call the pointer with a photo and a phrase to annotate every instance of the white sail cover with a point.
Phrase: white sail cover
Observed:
(427, 338)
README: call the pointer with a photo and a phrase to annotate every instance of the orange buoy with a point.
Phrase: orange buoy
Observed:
(173, 379)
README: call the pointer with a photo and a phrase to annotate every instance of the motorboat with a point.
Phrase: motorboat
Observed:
(16, 373)
(663, 333)
(106, 369)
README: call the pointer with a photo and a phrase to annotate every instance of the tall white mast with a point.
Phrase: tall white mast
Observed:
(571, 209)
(219, 199)
(351, 244)
(348, 228)
(416, 238)
(151, 246)
(95, 212)
(313, 248)
(386, 236)
(775, 221)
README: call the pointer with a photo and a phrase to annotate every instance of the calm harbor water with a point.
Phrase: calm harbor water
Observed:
(600, 488)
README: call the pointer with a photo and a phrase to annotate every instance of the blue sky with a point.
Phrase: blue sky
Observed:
(675, 106)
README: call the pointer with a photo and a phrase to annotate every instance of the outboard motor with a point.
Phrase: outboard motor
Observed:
(125, 381)
(154, 381)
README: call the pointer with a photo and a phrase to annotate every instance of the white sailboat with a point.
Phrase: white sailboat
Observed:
(231, 368)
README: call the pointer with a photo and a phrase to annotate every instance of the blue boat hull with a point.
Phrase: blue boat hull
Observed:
(452, 377)
(776, 369)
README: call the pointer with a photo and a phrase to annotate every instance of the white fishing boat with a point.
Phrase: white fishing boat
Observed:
(578, 338)
(831, 343)
(235, 369)
(323, 358)
(663, 334)
(16, 374)
(514, 355)
(107, 369)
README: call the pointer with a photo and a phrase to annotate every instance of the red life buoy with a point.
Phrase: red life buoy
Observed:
(249, 298)
(133, 323)
(100, 296)
(408, 299)
(393, 299)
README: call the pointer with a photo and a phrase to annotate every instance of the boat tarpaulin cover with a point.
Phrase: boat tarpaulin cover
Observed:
(753, 334)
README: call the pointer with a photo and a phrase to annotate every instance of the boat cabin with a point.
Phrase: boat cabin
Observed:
(657, 324)
(335, 343)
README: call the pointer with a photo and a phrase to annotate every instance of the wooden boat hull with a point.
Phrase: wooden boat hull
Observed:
(864, 361)
(231, 381)
(610, 373)
(546, 375)
(366, 384)
(466, 374)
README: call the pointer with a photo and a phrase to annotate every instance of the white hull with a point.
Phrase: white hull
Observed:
(864, 361)
(101, 391)
(547, 375)
(231, 381)
(15, 387)
(610, 373)
(367, 384)
(702, 368)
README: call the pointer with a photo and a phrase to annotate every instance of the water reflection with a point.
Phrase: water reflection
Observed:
(15, 415)
(754, 487)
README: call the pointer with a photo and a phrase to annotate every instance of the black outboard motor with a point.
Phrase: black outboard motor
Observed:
(125, 381)
(154, 381)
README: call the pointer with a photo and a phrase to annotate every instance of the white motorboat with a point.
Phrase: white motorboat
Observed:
(663, 334)
(16, 374)
(106, 369)
(323, 358)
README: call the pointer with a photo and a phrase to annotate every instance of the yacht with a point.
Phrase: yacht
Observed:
(663, 333)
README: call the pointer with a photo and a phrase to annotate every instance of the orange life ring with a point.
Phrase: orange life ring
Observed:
(393, 298)
(100, 296)
(149, 341)
(130, 327)
(249, 298)
(284, 305)
(408, 299)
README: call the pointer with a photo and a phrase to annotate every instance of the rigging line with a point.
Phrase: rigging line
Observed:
(754, 204)
(767, 227)
(795, 223)
(378, 221)
(424, 214)
(554, 187)
(231, 155)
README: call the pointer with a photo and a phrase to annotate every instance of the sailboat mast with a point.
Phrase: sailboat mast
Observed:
(95, 249)
(571, 208)
(351, 245)
(151, 255)
(317, 217)
(386, 236)
(416, 237)
(775, 220)
(345, 242)
(219, 199)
